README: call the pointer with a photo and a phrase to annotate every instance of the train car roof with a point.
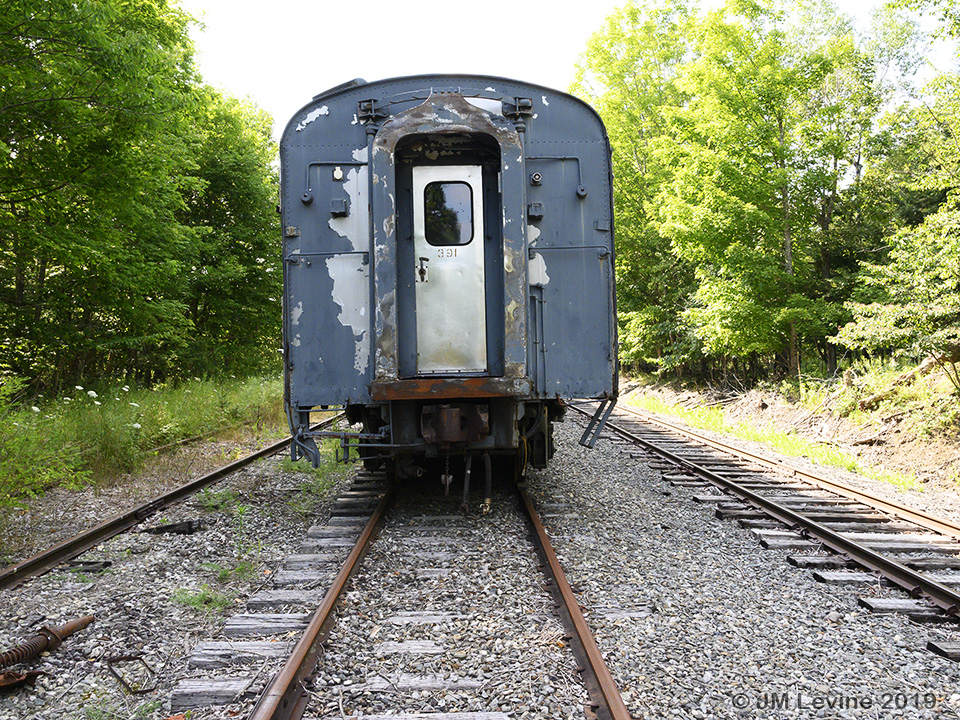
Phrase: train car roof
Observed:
(485, 86)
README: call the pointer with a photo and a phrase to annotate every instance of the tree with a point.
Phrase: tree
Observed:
(735, 206)
(234, 280)
(917, 308)
(908, 300)
(87, 91)
(135, 205)
(739, 141)
(629, 73)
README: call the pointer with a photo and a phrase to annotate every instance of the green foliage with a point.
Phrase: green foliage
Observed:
(753, 177)
(241, 570)
(147, 708)
(29, 462)
(217, 500)
(240, 528)
(204, 600)
(910, 303)
(630, 74)
(89, 434)
(135, 204)
(315, 482)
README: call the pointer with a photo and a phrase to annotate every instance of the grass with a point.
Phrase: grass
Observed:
(315, 482)
(714, 419)
(217, 500)
(204, 600)
(241, 570)
(92, 434)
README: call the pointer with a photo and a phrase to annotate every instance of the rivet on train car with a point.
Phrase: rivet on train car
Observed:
(581, 191)
(306, 198)
(536, 178)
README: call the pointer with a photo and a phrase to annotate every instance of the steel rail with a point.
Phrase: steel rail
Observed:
(285, 697)
(918, 517)
(610, 702)
(14, 575)
(908, 579)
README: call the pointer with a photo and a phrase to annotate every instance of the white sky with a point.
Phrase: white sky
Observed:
(282, 53)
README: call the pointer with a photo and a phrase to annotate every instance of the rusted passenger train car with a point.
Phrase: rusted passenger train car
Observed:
(448, 267)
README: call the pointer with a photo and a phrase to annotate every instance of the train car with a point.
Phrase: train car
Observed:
(448, 268)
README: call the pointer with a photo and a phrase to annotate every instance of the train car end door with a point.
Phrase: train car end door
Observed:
(450, 288)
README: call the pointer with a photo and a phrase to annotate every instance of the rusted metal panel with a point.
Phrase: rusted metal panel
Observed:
(449, 388)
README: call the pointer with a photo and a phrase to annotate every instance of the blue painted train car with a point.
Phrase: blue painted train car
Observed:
(448, 267)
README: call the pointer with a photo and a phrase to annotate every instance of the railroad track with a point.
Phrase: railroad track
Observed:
(408, 639)
(869, 538)
(14, 575)
(268, 653)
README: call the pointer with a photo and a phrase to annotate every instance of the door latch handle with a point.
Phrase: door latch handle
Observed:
(422, 270)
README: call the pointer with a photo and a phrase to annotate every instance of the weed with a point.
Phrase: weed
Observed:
(147, 709)
(204, 600)
(217, 500)
(239, 528)
(242, 570)
(315, 482)
(102, 711)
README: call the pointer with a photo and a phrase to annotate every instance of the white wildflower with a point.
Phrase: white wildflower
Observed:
(66, 399)
(126, 388)
(79, 387)
(136, 426)
(92, 394)
(134, 405)
(96, 402)
(35, 408)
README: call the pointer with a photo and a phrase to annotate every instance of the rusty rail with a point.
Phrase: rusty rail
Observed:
(14, 575)
(608, 703)
(285, 697)
(915, 583)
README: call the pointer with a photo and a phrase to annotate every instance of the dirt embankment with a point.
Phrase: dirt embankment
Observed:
(891, 439)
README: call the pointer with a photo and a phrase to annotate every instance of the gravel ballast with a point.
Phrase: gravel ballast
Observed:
(150, 601)
(470, 590)
(695, 620)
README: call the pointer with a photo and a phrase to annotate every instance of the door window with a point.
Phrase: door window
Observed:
(448, 213)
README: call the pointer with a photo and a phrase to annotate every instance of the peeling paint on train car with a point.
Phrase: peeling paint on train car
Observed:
(344, 222)
(443, 113)
(538, 270)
